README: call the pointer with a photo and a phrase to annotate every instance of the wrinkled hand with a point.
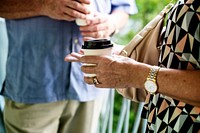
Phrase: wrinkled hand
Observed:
(111, 71)
(73, 57)
(67, 10)
(100, 26)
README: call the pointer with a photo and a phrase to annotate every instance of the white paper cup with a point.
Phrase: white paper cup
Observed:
(82, 22)
(96, 48)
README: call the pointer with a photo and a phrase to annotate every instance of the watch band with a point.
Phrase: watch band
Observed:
(153, 73)
(151, 82)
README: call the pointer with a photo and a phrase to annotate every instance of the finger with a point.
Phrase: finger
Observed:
(70, 58)
(81, 52)
(104, 86)
(75, 9)
(73, 57)
(72, 14)
(94, 31)
(90, 59)
(88, 38)
(99, 34)
(93, 28)
(88, 69)
(88, 80)
(77, 55)
(67, 17)
(98, 18)
(84, 1)
(79, 6)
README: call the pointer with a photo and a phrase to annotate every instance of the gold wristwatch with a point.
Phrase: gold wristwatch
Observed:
(151, 82)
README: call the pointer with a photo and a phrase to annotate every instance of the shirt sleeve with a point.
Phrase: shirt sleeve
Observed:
(128, 6)
(107, 6)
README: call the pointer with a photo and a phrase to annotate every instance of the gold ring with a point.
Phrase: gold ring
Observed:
(95, 81)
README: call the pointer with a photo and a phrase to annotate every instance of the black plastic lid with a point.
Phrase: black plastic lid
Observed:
(97, 44)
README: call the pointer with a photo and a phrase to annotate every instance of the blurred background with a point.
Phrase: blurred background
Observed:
(147, 9)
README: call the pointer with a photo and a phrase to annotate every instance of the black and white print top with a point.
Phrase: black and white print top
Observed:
(180, 50)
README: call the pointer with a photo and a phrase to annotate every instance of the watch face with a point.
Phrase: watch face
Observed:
(150, 86)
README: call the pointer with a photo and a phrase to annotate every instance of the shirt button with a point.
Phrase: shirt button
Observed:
(76, 41)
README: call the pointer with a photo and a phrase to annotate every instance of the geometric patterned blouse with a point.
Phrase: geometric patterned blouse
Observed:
(180, 50)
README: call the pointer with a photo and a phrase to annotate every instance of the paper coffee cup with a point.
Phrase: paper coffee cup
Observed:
(96, 48)
(82, 22)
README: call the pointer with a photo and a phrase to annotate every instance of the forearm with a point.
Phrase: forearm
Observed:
(183, 85)
(14, 9)
(119, 19)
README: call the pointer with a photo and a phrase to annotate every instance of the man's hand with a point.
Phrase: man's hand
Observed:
(100, 26)
(111, 71)
(65, 9)
(103, 25)
(74, 57)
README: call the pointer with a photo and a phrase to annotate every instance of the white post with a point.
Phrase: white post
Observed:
(3, 57)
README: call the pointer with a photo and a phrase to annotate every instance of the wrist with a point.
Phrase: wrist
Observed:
(150, 84)
(114, 25)
(43, 8)
(116, 29)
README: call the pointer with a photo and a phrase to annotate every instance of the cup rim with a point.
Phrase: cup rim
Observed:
(97, 44)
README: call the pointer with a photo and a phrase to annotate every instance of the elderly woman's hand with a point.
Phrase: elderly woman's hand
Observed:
(111, 71)
(75, 57)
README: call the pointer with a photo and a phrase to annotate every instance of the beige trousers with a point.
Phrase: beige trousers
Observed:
(58, 117)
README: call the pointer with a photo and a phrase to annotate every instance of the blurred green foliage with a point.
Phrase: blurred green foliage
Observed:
(147, 9)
